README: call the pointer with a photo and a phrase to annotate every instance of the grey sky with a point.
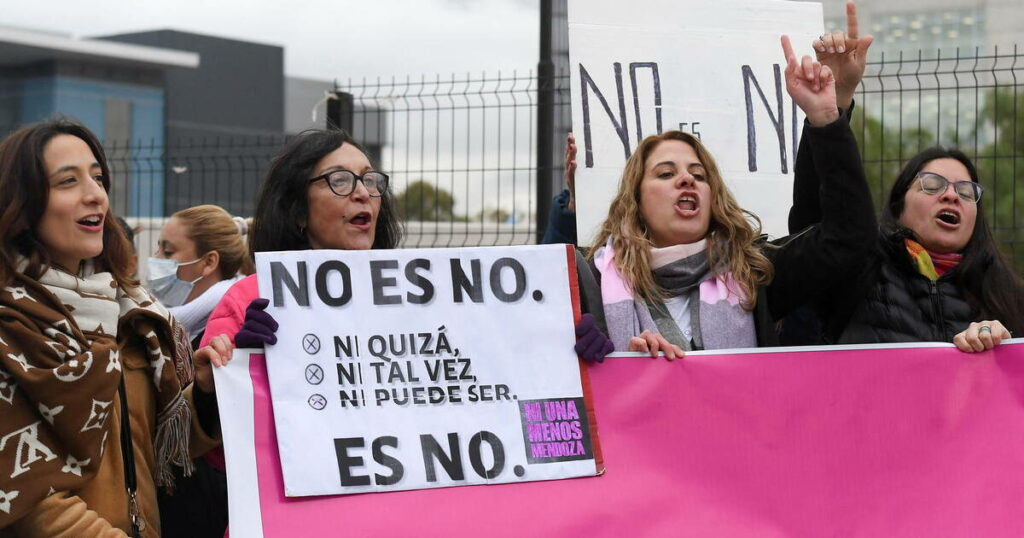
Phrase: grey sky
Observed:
(323, 39)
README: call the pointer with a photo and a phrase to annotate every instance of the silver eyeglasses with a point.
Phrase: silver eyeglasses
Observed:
(932, 183)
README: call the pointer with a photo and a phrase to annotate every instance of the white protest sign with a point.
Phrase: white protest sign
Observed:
(714, 69)
(408, 369)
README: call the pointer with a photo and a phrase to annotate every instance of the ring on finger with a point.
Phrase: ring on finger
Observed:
(984, 329)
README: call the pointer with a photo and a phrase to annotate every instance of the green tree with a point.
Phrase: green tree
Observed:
(497, 215)
(884, 151)
(1001, 167)
(423, 201)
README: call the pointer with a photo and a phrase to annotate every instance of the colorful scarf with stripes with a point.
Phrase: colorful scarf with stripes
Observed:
(931, 264)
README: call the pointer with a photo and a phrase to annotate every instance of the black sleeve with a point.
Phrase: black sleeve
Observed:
(810, 263)
(590, 291)
(207, 411)
(806, 208)
(561, 222)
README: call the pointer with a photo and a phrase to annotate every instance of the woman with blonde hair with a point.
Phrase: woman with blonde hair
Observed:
(201, 252)
(683, 267)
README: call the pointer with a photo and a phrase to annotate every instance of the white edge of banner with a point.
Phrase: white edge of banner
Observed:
(795, 349)
(238, 421)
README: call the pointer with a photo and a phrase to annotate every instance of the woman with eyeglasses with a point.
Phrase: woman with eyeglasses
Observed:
(936, 273)
(321, 193)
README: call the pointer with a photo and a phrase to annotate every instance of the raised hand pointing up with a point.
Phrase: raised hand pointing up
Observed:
(812, 87)
(846, 55)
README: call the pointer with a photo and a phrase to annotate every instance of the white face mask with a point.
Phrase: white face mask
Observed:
(165, 284)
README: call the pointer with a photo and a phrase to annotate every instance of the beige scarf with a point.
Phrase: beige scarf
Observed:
(60, 370)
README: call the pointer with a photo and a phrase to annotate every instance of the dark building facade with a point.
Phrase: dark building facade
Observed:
(116, 90)
(224, 119)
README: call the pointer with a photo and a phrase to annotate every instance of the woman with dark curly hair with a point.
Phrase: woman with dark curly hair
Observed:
(935, 273)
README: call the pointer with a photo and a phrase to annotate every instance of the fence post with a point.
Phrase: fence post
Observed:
(545, 119)
(340, 111)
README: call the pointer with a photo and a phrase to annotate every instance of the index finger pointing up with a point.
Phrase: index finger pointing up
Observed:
(787, 48)
(851, 20)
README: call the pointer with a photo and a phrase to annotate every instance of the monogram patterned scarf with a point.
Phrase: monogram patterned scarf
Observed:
(60, 369)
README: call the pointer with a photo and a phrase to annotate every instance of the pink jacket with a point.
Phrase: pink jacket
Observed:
(229, 315)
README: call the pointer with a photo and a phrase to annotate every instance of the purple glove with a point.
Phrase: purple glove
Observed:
(591, 343)
(259, 327)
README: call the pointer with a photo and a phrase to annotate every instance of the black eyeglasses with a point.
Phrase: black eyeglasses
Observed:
(343, 182)
(932, 183)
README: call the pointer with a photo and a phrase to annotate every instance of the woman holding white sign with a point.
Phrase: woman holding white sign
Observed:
(321, 192)
(681, 266)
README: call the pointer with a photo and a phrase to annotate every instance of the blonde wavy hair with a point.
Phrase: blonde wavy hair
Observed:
(212, 228)
(732, 238)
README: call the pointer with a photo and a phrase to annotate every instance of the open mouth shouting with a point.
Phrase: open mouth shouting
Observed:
(688, 205)
(948, 219)
(362, 220)
(91, 223)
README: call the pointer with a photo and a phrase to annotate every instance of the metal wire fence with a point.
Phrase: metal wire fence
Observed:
(154, 180)
(462, 150)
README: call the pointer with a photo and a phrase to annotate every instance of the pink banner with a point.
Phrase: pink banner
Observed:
(923, 441)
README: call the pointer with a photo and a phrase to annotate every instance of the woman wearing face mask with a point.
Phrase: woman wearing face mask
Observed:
(201, 252)
(96, 395)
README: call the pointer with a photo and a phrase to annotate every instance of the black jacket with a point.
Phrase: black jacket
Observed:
(886, 299)
(890, 301)
(810, 264)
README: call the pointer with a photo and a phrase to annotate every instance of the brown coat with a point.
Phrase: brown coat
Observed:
(100, 507)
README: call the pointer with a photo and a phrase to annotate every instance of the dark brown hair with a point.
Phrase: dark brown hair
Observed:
(983, 275)
(25, 193)
(283, 203)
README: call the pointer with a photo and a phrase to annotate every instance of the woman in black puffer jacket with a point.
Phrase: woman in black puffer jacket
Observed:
(936, 273)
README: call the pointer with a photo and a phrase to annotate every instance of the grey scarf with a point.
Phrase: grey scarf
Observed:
(717, 318)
